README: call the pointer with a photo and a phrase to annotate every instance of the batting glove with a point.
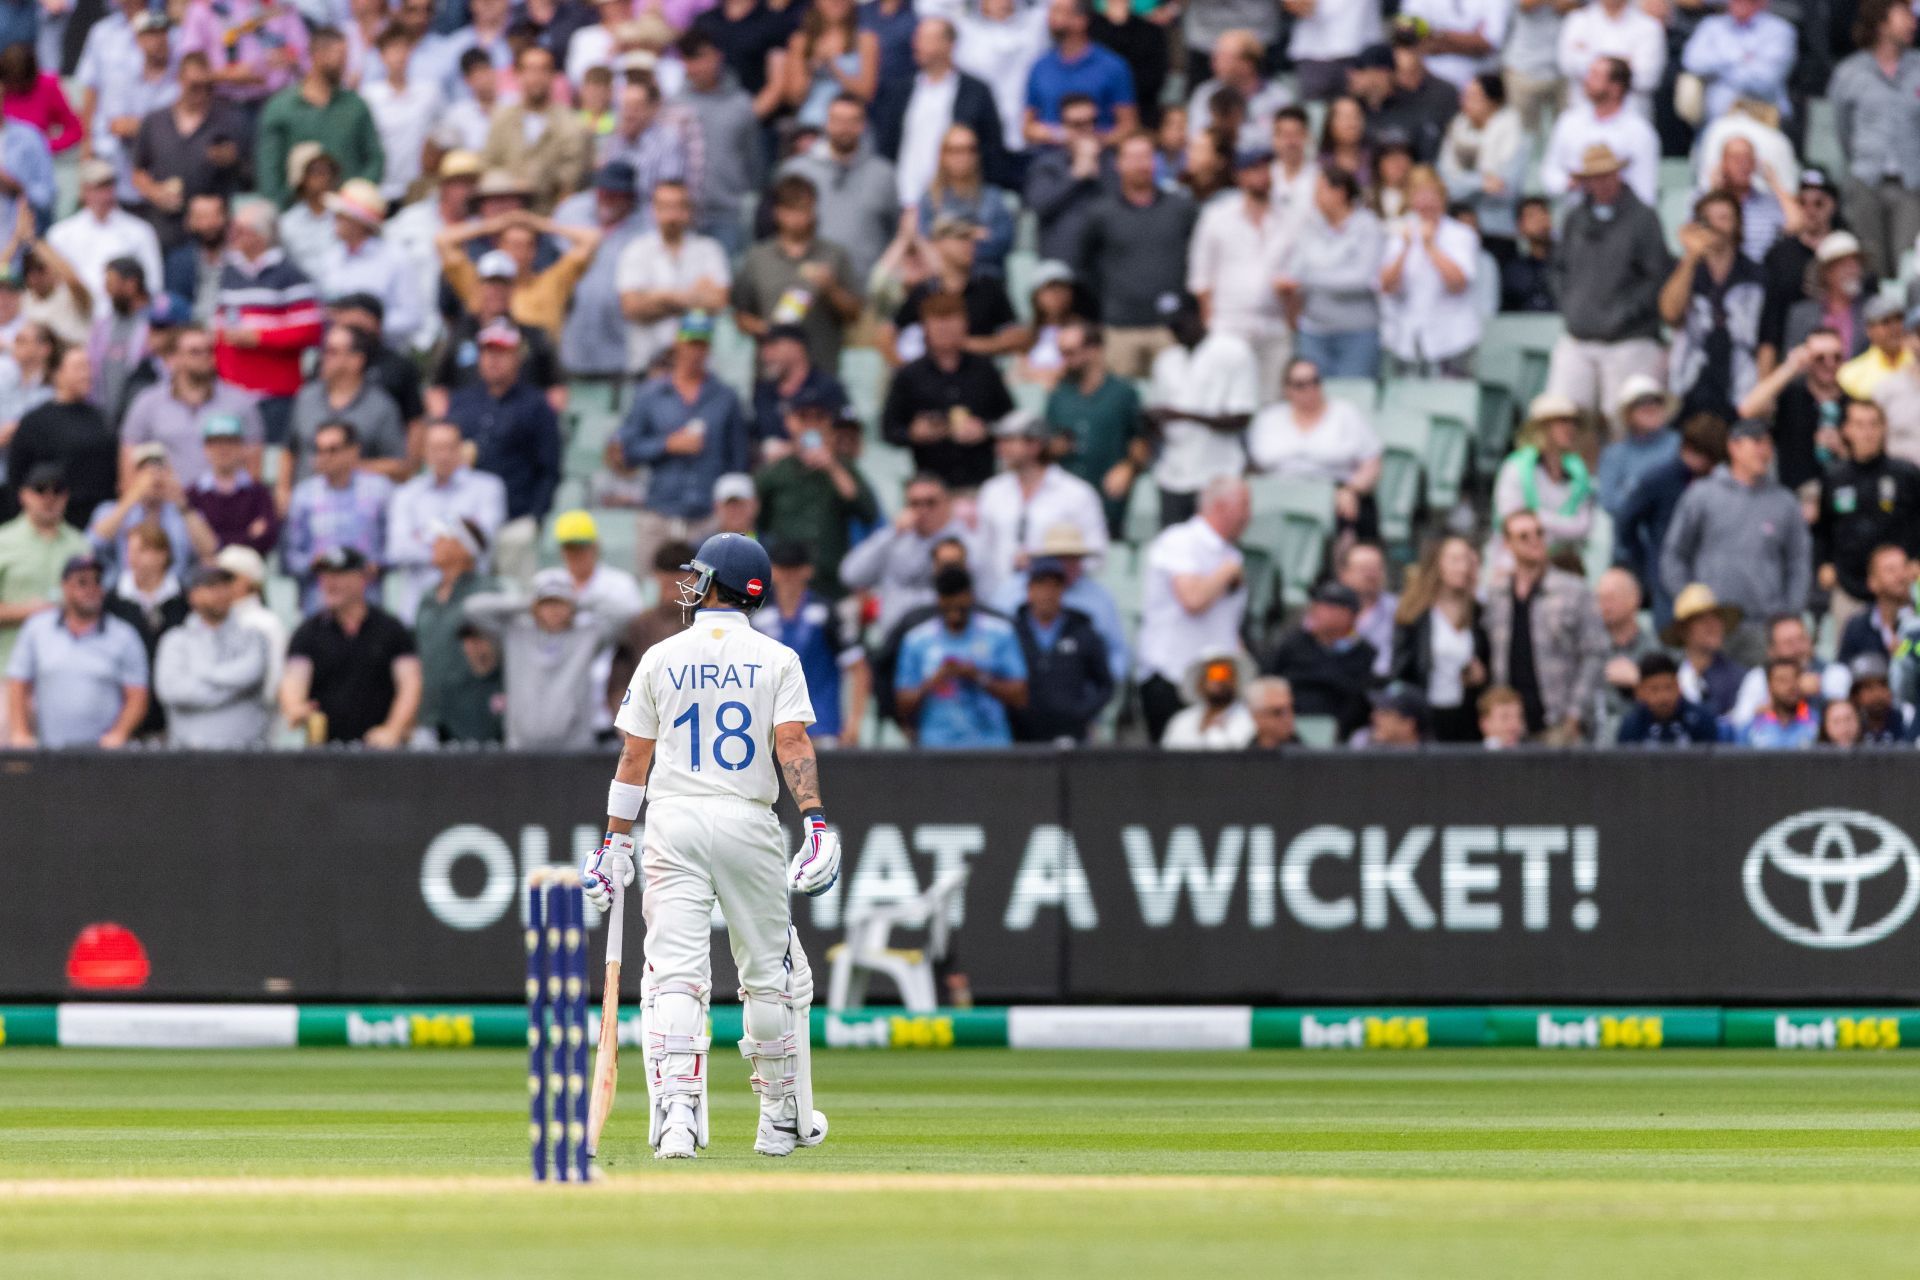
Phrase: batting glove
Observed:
(610, 864)
(817, 866)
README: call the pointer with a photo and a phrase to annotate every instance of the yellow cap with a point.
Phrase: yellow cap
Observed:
(575, 526)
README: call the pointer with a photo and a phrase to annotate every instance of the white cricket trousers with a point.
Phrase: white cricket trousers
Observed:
(709, 849)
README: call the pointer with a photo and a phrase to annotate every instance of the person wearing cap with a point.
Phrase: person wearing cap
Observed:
(209, 672)
(1029, 498)
(1645, 410)
(317, 108)
(536, 137)
(797, 276)
(1235, 241)
(1070, 673)
(1398, 718)
(248, 576)
(173, 413)
(77, 677)
(1875, 93)
(340, 505)
(449, 678)
(539, 297)
(1661, 714)
(352, 673)
(516, 435)
(255, 48)
(992, 327)
(100, 232)
(459, 364)
(445, 492)
(33, 546)
(1887, 352)
(1836, 300)
(786, 371)
(361, 261)
(808, 623)
(736, 508)
(1329, 666)
(307, 227)
(1883, 721)
(1876, 629)
(811, 497)
(151, 494)
(68, 429)
(1607, 120)
(1065, 545)
(664, 273)
(548, 645)
(960, 673)
(405, 108)
(1867, 500)
(593, 338)
(236, 506)
(1133, 254)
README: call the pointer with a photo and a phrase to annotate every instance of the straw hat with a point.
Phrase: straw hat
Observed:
(1697, 601)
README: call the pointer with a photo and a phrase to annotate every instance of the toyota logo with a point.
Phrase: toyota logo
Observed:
(1833, 853)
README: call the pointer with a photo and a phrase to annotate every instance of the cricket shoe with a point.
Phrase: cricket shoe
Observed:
(676, 1134)
(778, 1135)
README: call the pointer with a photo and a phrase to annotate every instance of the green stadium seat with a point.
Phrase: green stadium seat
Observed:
(732, 359)
(1597, 556)
(1676, 174)
(1317, 731)
(592, 398)
(619, 529)
(1406, 438)
(1362, 393)
(1676, 211)
(1495, 439)
(1452, 407)
(1515, 350)
(1030, 396)
(1021, 265)
(1823, 138)
(1143, 512)
(887, 469)
(1121, 573)
(863, 372)
(587, 441)
(1292, 521)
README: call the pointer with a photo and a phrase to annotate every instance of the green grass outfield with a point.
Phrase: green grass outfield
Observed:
(980, 1163)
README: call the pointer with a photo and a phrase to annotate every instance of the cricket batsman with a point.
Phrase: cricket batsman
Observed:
(708, 713)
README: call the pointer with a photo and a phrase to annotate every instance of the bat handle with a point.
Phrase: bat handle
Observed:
(617, 923)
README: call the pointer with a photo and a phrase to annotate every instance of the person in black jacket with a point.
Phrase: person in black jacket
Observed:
(1660, 716)
(1329, 667)
(973, 104)
(1867, 501)
(1068, 677)
(1439, 646)
(1641, 529)
(1875, 630)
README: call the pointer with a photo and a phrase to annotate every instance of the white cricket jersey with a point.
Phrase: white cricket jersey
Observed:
(709, 698)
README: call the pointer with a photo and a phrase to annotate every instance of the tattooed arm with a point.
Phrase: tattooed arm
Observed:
(817, 865)
(797, 764)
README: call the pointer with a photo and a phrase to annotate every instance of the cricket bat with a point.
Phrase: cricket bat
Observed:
(606, 1061)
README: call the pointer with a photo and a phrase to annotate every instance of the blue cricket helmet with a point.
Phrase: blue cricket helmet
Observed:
(737, 565)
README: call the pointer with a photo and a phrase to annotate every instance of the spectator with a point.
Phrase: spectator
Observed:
(1503, 719)
(1398, 719)
(787, 371)
(1361, 567)
(1546, 637)
(1875, 630)
(1204, 391)
(1619, 29)
(1429, 323)
(1133, 253)
(405, 109)
(122, 102)
(809, 624)
(1768, 206)
(538, 297)
(516, 436)
(392, 372)
(992, 327)
(152, 495)
(1193, 597)
(174, 414)
(1029, 499)
(35, 98)
(1077, 65)
(1439, 645)
(238, 509)
(1804, 400)
(352, 674)
(249, 572)
(1883, 722)
(960, 672)
(999, 42)
(361, 261)
(1099, 420)
(445, 493)
(538, 140)
(1787, 720)
(647, 627)
(186, 142)
(1607, 272)
(99, 233)
(911, 132)
(1237, 59)
(959, 190)
(1526, 279)
(1548, 477)
(306, 228)
(460, 701)
(1661, 714)
(69, 431)
(548, 645)
(459, 365)
(343, 393)
(1604, 123)
(1838, 300)
(24, 379)
(192, 267)
(317, 108)
(1327, 280)
(795, 277)
(340, 505)
(1617, 596)
(1867, 499)
(1876, 101)
(33, 547)
(1886, 354)
(1699, 631)
(730, 133)
(1741, 533)
(813, 499)
(939, 405)
(254, 49)
(1786, 264)
(1066, 544)
(209, 672)
(857, 189)
(1233, 242)
(269, 317)
(1644, 410)
(690, 429)
(1065, 180)
(666, 273)
(1329, 667)
(1713, 300)
(1313, 437)
(1745, 52)
(473, 96)
(1839, 725)
(77, 677)
(124, 336)
(1269, 700)
(895, 563)
(829, 56)
(1216, 718)
(1787, 637)
(1483, 160)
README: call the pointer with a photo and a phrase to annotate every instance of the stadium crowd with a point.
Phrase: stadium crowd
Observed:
(1214, 373)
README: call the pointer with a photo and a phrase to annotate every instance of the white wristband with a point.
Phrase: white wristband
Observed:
(624, 800)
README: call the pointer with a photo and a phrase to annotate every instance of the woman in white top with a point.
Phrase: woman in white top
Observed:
(1427, 318)
(1310, 436)
(1483, 158)
(1439, 646)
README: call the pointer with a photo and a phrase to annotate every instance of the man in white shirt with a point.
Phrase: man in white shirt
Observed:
(1294, 175)
(1204, 391)
(1327, 36)
(405, 109)
(1232, 261)
(1745, 52)
(596, 45)
(1606, 121)
(413, 230)
(1613, 29)
(1029, 497)
(99, 231)
(360, 261)
(1194, 597)
(929, 109)
(441, 496)
(1465, 36)
(665, 273)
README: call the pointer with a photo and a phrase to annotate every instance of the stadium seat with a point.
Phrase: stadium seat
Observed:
(1316, 731)
(1293, 521)
(1676, 174)
(620, 538)
(592, 398)
(866, 951)
(1676, 211)
(587, 436)
(1519, 345)
(1030, 396)
(1407, 438)
(1021, 265)
(863, 372)
(732, 359)
(1362, 393)
(1823, 138)
(1597, 556)
(1143, 512)
(1452, 407)
(887, 468)
(1121, 573)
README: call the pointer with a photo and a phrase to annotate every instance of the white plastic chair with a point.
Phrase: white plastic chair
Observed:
(865, 952)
